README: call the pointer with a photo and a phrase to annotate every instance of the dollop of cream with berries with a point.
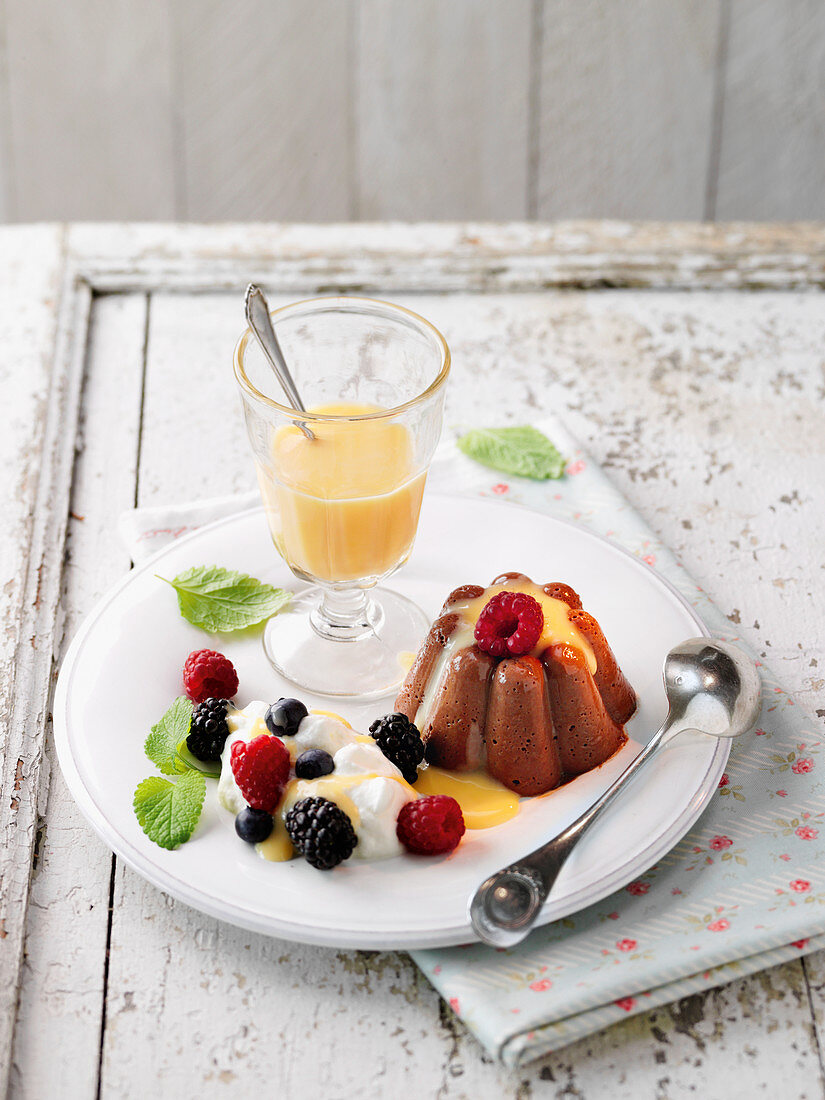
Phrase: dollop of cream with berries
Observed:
(367, 786)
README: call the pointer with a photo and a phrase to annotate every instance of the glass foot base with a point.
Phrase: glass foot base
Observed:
(365, 659)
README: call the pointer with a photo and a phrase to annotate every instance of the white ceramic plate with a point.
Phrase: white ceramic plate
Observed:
(123, 670)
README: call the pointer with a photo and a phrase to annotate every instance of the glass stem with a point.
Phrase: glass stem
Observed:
(344, 614)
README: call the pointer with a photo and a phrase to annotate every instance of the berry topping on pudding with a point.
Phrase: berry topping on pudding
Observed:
(261, 769)
(314, 763)
(431, 826)
(208, 730)
(509, 625)
(400, 742)
(253, 826)
(209, 674)
(284, 717)
(321, 832)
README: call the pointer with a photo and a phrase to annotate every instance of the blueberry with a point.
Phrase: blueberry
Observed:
(313, 763)
(284, 717)
(253, 826)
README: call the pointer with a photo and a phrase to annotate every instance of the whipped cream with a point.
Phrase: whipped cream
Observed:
(367, 786)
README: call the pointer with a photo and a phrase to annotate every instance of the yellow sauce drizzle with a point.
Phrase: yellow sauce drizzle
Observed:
(483, 801)
(405, 660)
(557, 626)
(334, 787)
(332, 714)
(277, 848)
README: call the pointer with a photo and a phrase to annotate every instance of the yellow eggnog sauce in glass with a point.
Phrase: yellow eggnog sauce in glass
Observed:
(344, 505)
(342, 482)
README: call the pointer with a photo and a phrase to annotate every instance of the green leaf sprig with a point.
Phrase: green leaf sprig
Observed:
(169, 812)
(523, 451)
(162, 743)
(221, 600)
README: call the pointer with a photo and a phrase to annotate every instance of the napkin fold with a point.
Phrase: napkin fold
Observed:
(743, 890)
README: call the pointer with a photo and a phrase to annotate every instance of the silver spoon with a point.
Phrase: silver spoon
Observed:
(259, 320)
(712, 687)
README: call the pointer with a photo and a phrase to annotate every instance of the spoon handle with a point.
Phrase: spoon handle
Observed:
(258, 319)
(506, 905)
(549, 859)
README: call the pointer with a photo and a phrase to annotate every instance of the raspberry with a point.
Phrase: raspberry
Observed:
(430, 825)
(261, 769)
(509, 625)
(209, 674)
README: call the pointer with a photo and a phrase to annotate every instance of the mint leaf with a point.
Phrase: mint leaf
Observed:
(168, 812)
(162, 743)
(218, 599)
(524, 451)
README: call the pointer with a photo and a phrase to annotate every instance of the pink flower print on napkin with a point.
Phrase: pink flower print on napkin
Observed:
(805, 832)
(541, 986)
(800, 944)
(501, 488)
(800, 885)
(627, 1003)
(720, 925)
(455, 1005)
(760, 733)
(637, 888)
(626, 945)
(723, 782)
(802, 766)
(612, 916)
(575, 467)
(786, 857)
(717, 843)
(782, 794)
(649, 559)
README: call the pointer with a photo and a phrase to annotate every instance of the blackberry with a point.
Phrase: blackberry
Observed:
(321, 832)
(284, 717)
(208, 731)
(313, 763)
(400, 742)
(253, 826)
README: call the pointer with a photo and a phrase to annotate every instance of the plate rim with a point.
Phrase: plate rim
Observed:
(267, 924)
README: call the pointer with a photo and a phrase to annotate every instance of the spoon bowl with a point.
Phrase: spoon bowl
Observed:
(713, 688)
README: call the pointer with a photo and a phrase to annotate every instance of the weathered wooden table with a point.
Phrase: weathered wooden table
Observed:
(689, 359)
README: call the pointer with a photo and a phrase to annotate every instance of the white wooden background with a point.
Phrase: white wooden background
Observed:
(711, 424)
(204, 110)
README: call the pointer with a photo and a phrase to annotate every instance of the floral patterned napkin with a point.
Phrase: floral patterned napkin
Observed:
(743, 890)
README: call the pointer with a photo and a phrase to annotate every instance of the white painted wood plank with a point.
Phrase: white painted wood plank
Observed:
(381, 258)
(263, 108)
(626, 100)
(30, 277)
(772, 156)
(442, 109)
(91, 109)
(62, 990)
(814, 967)
(5, 128)
(221, 1009)
(558, 349)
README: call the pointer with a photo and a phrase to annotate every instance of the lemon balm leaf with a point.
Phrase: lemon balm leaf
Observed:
(161, 745)
(524, 451)
(221, 600)
(168, 812)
